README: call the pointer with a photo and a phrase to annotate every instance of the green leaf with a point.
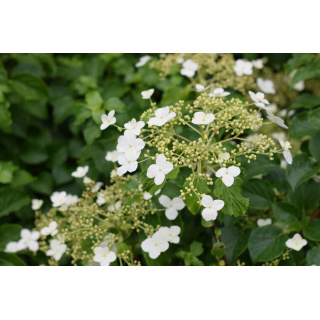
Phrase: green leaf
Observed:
(37, 109)
(9, 232)
(313, 257)
(43, 184)
(218, 250)
(314, 146)
(115, 104)
(29, 86)
(7, 170)
(5, 116)
(301, 126)
(206, 224)
(196, 248)
(234, 203)
(91, 133)
(12, 259)
(266, 243)
(314, 118)
(298, 60)
(21, 178)
(307, 101)
(310, 70)
(286, 215)
(259, 192)
(312, 231)
(12, 200)
(33, 153)
(94, 100)
(191, 199)
(302, 168)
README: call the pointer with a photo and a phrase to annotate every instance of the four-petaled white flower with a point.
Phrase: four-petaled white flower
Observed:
(147, 94)
(142, 61)
(130, 145)
(172, 206)
(171, 234)
(228, 175)
(202, 118)
(108, 120)
(296, 242)
(127, 164)
(159, 170)
(266, 86)
(277, 120)
(211, 207)
(57, 249)
(200, 87)
(259, 99)
(162, 116)
(224, 156)
(243, 68)
(258, 64)
(50, 230)
(29, 240)
(155, 245)
(58, 198)
(69, 201)
(219, 92)
(36, 204)
(285, 145)
(189, 68)
(104, 256)
(134, 126)
(112, 156)
(263, 222)
(80, 172)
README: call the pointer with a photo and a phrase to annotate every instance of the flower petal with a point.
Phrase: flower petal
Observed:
(165, 201)
(228, 180)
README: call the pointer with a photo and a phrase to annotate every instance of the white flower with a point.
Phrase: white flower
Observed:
(58, 198)
(200, 87)
(108, 120)
(243, 68)
(69, 201)
(104, 256)
(172, 206)
(189, 68)
(80, 172)
(279, 135)
(36, 204)
(218, 92)
(162, 116)
(202, 118)
(50, 230)
(134, 127)
(259, 99)
(147, 94)
(113, 173)
(112, 156)
(228, 175)
(252, 137)
(101, 199)
(115, 207)
(276, 120)
(272, 107)
(159, 170)
(299, 86)
(142, 61)
(155, 245)
(130, 145)
(13, 247)
(97, 186)
(224, 156)
(285, 145)
(258, 64)
(87, 180)
(296, 242)
(147, 195)
(171, 234)
(264, 222)
(266, 86)
(127, 164)
(29, 240)
(211, 207)
(57, 249)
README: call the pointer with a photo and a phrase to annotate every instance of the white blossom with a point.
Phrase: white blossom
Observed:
(219, 92)
(101, 199)
(87, 180)
(259, 99)
(127, 164)
(13, 247)
(155, 245)
(258, 64)
(147, 94)
(97, 186)
(147, 195)
(263, 222)
(51, 230)
(115, 207)
(266, 86)
(279, 135)
(134, 126)
(189, 68)
(211, 207)
(299, 86)
(296, 242)
(142, 61)
(200, 87)
(104, 256)
(243, 68)
(36, 204)
(228, 174)
(69, 201)
(108, 120)
(130, 145)
(224, 156)
(171, 234)
(80, 172)
(112, 156)
(272, 107)
(202, 118)
(58, 198)
(162, 116)
(57, 249)
(276, 120)
(172, 206)
(285, 145)
(29, 240)
(159, 170)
